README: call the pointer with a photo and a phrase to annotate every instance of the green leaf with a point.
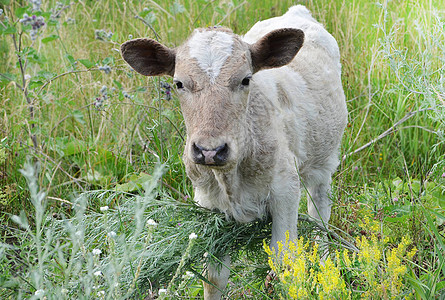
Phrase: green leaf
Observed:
(21, 220)
(115, 37)
(118, 84)
(75, 147)
(402, 213)
(32, 55)
(440, 196)
(108, 61)
(19, 11)
(7, 77)
(8, 30)
(87, 63)
(143, 13)
(78, 116)
(135, 182)
(35, 84)
(50, 38)
(70, 59)
(47, 75)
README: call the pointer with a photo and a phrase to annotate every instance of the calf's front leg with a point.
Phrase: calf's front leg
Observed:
(284, 209)
(219, 277)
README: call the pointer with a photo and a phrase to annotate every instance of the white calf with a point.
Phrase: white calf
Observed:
(259, 118)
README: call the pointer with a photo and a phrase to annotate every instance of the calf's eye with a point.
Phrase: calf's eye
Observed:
(245, 81)
(179, 84)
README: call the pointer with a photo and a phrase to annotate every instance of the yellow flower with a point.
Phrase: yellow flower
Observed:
(346, 259)
(314, 256)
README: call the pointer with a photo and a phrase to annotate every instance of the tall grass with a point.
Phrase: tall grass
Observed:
(70, 102)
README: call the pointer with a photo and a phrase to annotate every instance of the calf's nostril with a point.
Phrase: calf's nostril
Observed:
(217, 156)
(222, 152)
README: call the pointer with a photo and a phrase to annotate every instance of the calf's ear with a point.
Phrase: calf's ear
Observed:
(276, 49)
(148, 57)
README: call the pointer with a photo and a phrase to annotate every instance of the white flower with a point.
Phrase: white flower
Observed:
(39, 293)
(162, 291)
(188, 275)
(101, 293)
(96, 252)
(97, 273)
(27, 77)
(193, 236)
(104, 208)
(151, 223)
(112, 234)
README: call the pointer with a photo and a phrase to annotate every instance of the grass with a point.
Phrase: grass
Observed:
(86, 140)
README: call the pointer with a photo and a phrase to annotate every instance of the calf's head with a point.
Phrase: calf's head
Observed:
(212, 71)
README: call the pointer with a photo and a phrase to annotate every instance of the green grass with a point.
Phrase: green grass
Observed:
(393, 64)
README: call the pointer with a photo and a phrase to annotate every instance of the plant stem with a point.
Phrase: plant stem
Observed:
(24, 87)
(387, 132)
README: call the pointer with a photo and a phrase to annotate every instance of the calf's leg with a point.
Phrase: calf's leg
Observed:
(284, 208)
(219, 276)
(318, 202)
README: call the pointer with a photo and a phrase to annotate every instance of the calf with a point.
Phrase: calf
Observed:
(259, 118)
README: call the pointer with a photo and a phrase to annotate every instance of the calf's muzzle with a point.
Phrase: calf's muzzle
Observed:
(211, 157)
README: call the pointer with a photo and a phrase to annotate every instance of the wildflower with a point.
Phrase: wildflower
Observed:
(99, 102)
(112, 234)
(96, 252)
(104, 208)
(167, 90)
(103, 91)
(101, 293)
(27, 77)
(188, 275)
(130, 36)
(162, 292)
(1, 11)
(97, 273)
(102, 35)
(395, 199)
(36, 4)
(106, 69)
(57, 10)
(346, 258)
(127, 95)
(443, 175)
(151, 223)
(39, 293)
(35, 22)
(193, 236)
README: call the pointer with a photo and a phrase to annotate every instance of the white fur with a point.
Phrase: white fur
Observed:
(211, 49)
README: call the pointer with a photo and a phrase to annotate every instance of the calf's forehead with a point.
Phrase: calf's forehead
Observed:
(212, 53)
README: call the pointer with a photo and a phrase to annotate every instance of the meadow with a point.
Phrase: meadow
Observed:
(94, 199)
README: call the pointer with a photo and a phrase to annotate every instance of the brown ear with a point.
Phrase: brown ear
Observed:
(276, 49)
(149, 57)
